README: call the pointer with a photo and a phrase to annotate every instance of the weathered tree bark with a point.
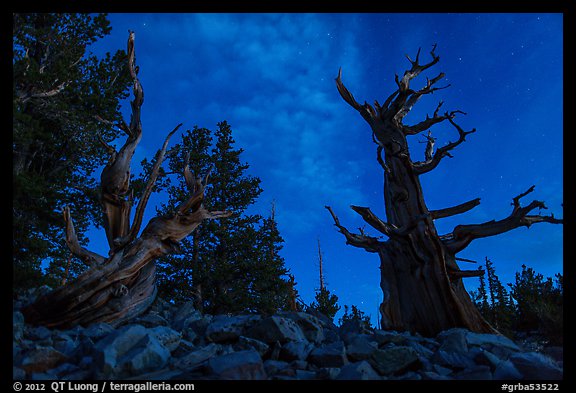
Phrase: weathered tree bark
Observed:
(122, 285)
(420, 279)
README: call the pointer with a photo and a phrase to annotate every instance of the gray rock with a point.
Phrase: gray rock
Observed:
(484, 339)
(18, 325)
(65, 344)
(395, 360)
(358, 371)
(196, 358)
(353, 327)
(296, 350)
(251, 343)
(453, 360)
(184, 316)
(505, 370)
(39, 333)
(328, 373)
(453, 340)
(18, 373)
(309, 324)
(331, 355)
(158, 375)
(151, 320)
(197, 326)
(533, 365)
(242, 365)
(128, 351)
(98, 330)
(409, 376)
(383, 337)
(228, 328)
(556, 353)
(41, 359)
(359, 348)
(276, 328)
(274, 366)
(475, 373)
(305, 375)
(168, 337)
(431, 375)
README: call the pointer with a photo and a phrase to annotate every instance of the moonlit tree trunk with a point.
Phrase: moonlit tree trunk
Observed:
(420, 279)
(122, 284)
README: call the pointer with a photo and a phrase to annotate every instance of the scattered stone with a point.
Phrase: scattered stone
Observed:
(179, 343)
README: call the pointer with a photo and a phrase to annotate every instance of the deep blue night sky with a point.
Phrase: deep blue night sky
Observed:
(271, 76)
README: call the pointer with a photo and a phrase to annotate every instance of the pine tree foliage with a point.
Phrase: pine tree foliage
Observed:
(533, 304)
(232, 266)
(61, 94)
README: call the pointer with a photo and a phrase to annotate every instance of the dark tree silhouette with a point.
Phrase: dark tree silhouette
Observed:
(122, 285)
(420, 280)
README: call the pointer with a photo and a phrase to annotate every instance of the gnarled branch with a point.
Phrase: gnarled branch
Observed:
(462, 235)
(368, 243)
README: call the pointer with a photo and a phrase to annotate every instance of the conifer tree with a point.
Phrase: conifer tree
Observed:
(227, 267)
(64, 99)
(325, 302)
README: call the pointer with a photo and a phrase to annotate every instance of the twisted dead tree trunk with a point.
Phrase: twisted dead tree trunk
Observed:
(420, 280)
(122, 285)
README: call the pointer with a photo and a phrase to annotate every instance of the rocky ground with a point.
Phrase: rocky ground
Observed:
(179, 343)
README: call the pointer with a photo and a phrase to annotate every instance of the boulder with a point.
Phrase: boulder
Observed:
(358, 371)
(168, 337)
(17, 325)
(488, 340)
(129, 350)
(242, 365)
(474, 373)
(276, 328)
(228, 328)
(250, 343)
(453, 340)
(41, 359)
(309, 324)
(151, 320)
(184, 315)
(454, 360)
(193, 360)
(97, 331)
(331, 355)
(505, 370)
(534, 365)
(296, 350)
(360, 348)
(395, 360)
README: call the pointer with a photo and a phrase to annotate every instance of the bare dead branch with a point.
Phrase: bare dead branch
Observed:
(147, 192)
(465, 260)
(368, 243)
(462, 235)
(465, 273)
(451, 211)
(365, 110)
(383, 227)
(88, 257)
(428, 165)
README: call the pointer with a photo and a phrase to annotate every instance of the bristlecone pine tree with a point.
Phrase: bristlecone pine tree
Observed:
(420, 280)
(123, 284)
